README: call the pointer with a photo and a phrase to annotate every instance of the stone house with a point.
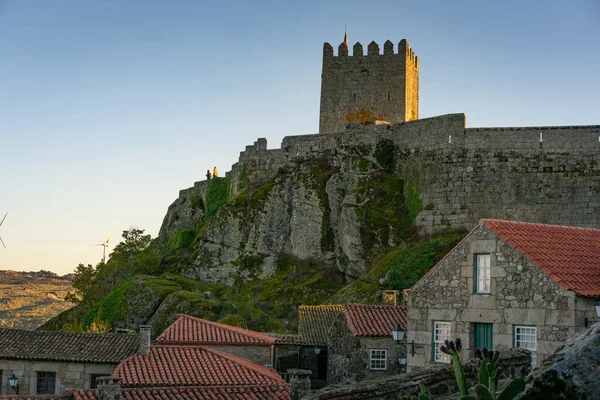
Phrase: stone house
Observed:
(191, 331)
(50, 362)
(313, 326)
(361, 345)
(506, 284)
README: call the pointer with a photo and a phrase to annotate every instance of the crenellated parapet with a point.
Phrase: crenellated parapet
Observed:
(372, 50)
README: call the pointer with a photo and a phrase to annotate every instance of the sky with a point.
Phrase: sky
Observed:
(108, 108)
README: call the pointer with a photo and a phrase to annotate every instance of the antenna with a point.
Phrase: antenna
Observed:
(1, 225)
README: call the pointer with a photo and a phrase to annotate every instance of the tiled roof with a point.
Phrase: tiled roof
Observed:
(374, 320)
(108, 348)
(288, 340)
(570, 255)
(314, 322)
(192, 366)
(197, 331)
(276, 392)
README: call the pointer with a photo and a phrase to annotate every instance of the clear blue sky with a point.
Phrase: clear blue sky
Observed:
(109, 107)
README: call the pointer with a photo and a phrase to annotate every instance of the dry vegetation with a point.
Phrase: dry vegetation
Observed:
(28, 299)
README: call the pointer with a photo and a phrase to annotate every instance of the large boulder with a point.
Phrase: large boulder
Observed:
(572, 372)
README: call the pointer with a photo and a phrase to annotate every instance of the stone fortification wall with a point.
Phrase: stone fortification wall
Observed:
(360, 88)
(462, 174)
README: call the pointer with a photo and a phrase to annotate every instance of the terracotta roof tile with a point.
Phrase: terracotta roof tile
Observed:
(197, 331)
(108, 348)
(192, 366)
(374, 320)
(276, 392)
(569, 255)
(314, 322)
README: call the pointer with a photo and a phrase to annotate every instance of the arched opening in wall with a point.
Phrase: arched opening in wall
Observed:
(388, 96)
(354, 97)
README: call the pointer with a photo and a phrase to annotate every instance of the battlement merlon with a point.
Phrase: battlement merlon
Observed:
(372, 50)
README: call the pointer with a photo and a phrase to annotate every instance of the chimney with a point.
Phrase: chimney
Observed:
(299, 383)
(108, 388)
(144, 348)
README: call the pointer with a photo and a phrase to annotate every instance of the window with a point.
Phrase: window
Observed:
(441, 333)
(46, 383)
(94, 382)
(378, 359)
(526, 338)
(482, 273)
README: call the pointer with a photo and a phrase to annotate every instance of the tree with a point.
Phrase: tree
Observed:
(83, 280)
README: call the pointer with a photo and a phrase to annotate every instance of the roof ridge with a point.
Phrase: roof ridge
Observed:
(242, 331)
(320, 306)
(63, 333)
(538, 224)
(187, 387)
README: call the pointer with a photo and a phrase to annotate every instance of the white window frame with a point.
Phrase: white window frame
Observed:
(375, 357)
(523, 335)
(483, 273)
(441, 332)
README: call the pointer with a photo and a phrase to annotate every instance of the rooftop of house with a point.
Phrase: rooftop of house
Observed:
(187, 330)
(569, 255)
(286, 339)
(179, 366)
(21, 344)
(374, 319)
(314, 322)
(280, 392)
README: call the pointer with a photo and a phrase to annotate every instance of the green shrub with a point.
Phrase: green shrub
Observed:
(181, 239)
(108, 306)
(412, 262)
(216, 195)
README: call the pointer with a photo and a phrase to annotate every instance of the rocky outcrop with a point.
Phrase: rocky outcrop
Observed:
(572, 372)
(326, 209)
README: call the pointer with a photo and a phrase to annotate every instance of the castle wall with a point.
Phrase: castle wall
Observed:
(463, 174)
(367, 87)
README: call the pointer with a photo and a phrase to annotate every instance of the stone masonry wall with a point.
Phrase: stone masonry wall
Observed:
(259, 354)
(361, 88)
(521, 294)
(348, 355)
(68, 375)
(462, 174)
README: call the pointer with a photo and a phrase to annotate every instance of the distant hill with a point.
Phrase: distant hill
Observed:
(28, 299)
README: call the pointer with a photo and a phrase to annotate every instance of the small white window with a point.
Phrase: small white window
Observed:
(526, 338)
(441, 333)
(379, 359)
(482, 270)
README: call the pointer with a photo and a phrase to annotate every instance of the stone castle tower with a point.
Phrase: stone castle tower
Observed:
(374, 87)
